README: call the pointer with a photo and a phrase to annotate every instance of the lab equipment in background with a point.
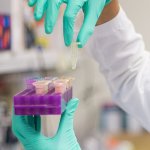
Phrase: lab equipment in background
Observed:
(29, 36)
(93, 143)
(97, 142)
(6, 136)
(133, 126)
(30, 81)
(115, 144)
(113, 120)
(5, 33)
(3, 124)
(34, 37)
(44, 96)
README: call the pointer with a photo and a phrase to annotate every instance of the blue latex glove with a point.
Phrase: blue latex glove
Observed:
(91, 8)
(27, 129)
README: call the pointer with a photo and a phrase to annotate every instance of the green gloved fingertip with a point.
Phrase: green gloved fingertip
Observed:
(68, 36)
(107, 2)
(84, 35)
(72, 105)
(48, 29)
(38, 16)
(37, 122)
(68, 42)
(80, 45)
(31, 3)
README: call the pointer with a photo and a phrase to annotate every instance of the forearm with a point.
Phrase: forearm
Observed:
(109, 12)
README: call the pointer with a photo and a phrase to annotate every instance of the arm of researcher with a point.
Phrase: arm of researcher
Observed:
(121, 54)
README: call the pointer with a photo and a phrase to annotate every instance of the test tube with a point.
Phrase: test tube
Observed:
(68, 81)
(41, 87)
(75, 54)
(50, 78)
(60, 86)
(30, 81)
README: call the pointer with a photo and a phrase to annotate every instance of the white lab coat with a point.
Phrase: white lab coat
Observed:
(121, 55)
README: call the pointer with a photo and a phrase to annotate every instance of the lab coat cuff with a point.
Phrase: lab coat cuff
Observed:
(119, 22)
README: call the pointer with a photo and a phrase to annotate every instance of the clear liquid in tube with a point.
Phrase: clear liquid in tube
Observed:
(74, 45)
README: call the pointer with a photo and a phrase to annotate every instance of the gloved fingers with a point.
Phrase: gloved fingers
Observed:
(37, 122)
(39, 9)
(17, 125)
(20, 136)
(15, 121)
(66, 121)
(34, 122)
(107, 2)
(30, 121)
(21, 127)
(72, 9)
(31, 3)
(71, 107)
(52, 12)
(91, 15)
(25, 139)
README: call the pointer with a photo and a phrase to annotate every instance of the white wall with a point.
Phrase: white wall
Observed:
(5, 6)
(139, 12)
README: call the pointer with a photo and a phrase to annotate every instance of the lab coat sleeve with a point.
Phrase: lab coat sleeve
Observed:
(121, 54)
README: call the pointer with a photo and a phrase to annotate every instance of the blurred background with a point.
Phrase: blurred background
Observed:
(25, 50)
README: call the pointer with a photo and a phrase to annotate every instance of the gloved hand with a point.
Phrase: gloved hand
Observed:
(27, 130)
(91, 8)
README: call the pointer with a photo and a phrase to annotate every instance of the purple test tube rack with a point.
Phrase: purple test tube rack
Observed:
(28, 102)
